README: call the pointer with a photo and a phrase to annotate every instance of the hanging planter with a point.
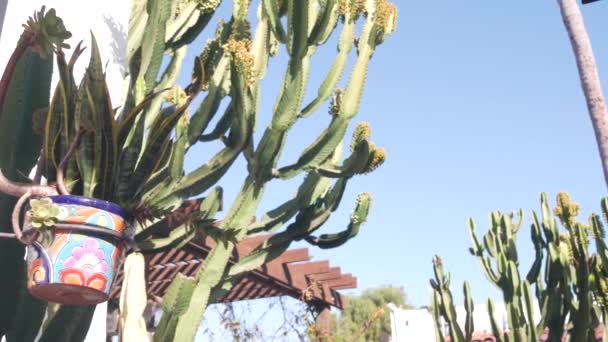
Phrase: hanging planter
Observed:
(77, 248)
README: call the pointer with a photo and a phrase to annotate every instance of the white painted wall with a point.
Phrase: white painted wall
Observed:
(417, 325)
(108, 19)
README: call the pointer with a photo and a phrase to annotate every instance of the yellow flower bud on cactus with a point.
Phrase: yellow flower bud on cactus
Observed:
(43, 213)
(377, 157)
(566, 210)
(362, 132)
(208, 6)
(176, 96)
(336, 102)
(239, 50)
(351, 8)
(385, 20)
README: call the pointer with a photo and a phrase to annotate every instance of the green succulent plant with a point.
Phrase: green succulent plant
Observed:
(44, 213)
(47, 30)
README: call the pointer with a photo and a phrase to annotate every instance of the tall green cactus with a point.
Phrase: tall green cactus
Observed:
(136, 157)
(232, 65)
(24, 97)
(570, 289)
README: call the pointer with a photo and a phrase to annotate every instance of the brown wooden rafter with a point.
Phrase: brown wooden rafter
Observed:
(291, 274)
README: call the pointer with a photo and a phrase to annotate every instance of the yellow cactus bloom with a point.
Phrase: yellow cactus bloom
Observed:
(244, 60)
(566, 209)
(362, 132)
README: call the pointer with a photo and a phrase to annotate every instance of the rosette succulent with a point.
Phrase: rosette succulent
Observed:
(43, 213)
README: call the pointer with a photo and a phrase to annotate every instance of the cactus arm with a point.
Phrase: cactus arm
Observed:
(440, 285)
(537, 240)
(153, 40)
(529, 309)
(354, 88)
(167, 80)
(496, 331)
(174, 304)
(208, 277)
(207, 175)
(274, 218)
(348, 104)
(42, 33)
(179, 148)
(307, 221)
(137, 26)
(222, 125)
(345, 44)
(28, 90)
(318, 150)
(582, 319)
(436, 314)
(200, 220)
(208, 108)
(26, 40)
(261, 44)
(325, 23)
(185, 232)
(182, 21)
(268, 250)
(298, 18)
(359, 216)
(185, 37)
(469, 326)
(355, 164)
(271, 11)
(313, 188)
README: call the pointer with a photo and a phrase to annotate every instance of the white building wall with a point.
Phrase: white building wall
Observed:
(108, 19)
(417, 325)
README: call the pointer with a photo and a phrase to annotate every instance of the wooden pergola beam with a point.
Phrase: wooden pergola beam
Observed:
(291, 274)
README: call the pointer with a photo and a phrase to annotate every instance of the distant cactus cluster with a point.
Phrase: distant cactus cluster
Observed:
(567, 280)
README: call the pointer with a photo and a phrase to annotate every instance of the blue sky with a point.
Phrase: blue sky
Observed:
(479, 106)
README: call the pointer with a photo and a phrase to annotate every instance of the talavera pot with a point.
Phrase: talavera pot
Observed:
(77, 261)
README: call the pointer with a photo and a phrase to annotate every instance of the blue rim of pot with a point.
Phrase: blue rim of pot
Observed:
(92, 202)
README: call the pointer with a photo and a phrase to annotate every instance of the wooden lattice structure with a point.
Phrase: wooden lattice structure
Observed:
(291, 274)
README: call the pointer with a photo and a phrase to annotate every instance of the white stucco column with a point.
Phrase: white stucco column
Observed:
(2, 13)
(108, 19)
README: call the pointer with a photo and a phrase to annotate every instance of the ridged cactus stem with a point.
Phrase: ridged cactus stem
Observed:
(441, 286)
(26, 41)
(496, 330)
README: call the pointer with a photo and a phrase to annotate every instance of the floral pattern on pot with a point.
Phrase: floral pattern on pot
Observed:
(86, 266)
(75, 264)
(38, 271)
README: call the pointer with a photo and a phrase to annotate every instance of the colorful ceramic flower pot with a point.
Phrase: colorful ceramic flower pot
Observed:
(77, 260)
